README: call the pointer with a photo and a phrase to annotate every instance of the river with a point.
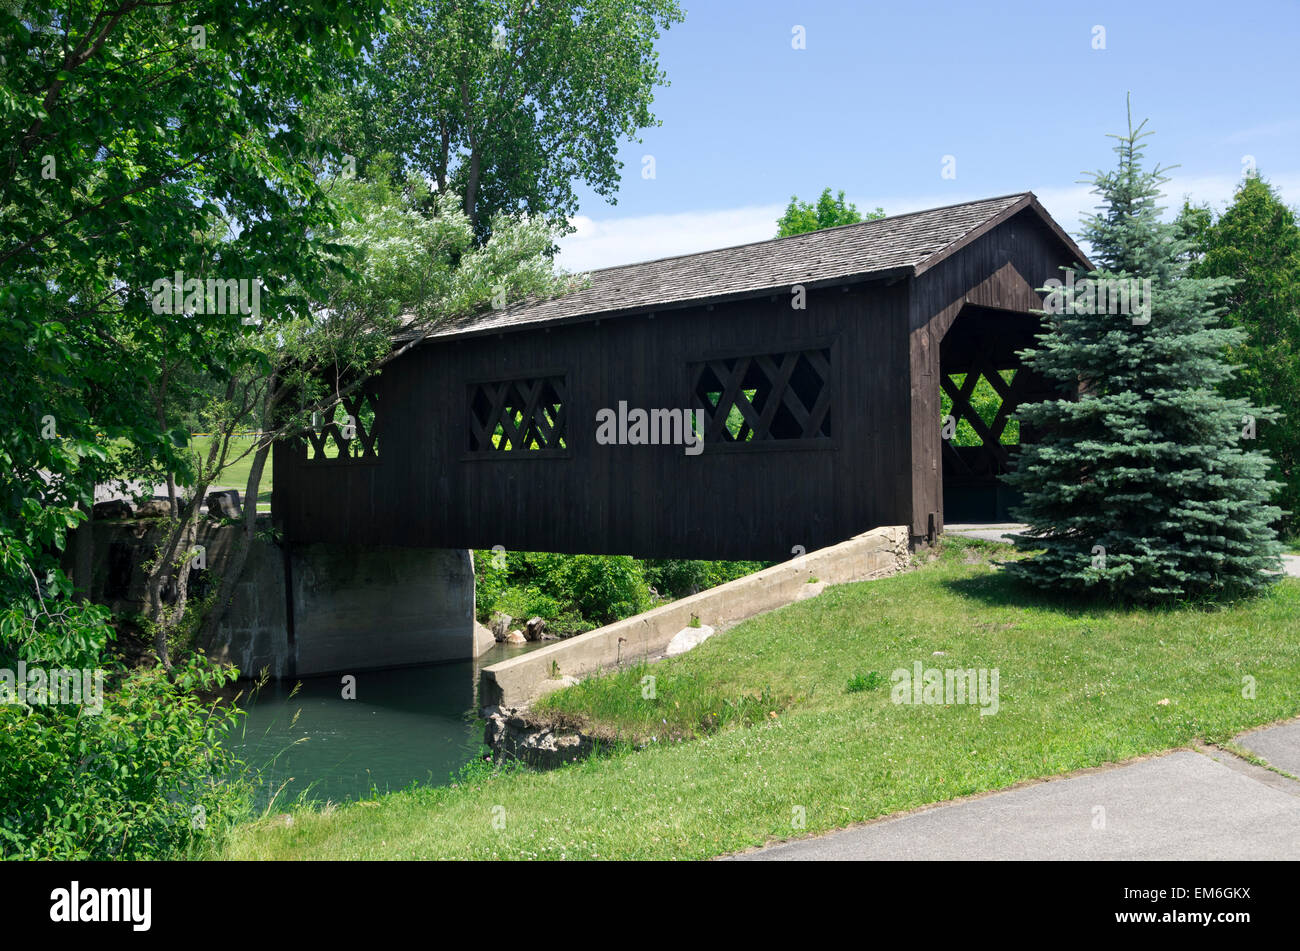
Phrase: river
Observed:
(414, 724)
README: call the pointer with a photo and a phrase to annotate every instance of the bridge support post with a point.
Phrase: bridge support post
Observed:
(358, 607)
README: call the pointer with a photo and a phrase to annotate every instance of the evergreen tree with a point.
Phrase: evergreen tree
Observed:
(1256, 242)
(1140, 487)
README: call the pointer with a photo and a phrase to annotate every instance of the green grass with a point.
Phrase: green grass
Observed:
(1293, 544)
(236, 474)
(868, 681)
(653, 703)
(1079, 686)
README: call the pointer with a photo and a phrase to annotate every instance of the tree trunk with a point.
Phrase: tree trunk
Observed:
(233, 570)
(471, 189)
(180, 539)
(83, 564)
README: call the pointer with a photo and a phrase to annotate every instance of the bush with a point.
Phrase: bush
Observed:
(678, 578)
(490, 580)
(146, 778)
(526, 602)
(569, 624)
(575, 593)
(602, 588)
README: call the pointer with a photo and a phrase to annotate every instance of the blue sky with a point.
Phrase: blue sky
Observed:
(1015, 92)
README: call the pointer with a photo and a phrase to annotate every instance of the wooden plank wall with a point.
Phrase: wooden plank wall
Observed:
(651, 501)
(1000, 270)
(654, 501)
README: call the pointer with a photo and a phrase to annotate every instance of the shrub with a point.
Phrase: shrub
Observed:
(678, 577)
(526, 602)
(575, 593)
(489, 582)
(569, 624)
(146, 778)
(603, 588)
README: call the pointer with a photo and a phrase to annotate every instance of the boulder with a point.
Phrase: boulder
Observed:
(224, 504)
(516, 637)
(534, 629)
(500, 626)
(514, 736)
(153, 508)
(483, 639)
(113, 508)
(687, 638)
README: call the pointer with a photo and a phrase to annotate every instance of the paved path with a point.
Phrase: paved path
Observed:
(996, 532)
(1279, 746)
(1202, 804)
(999, 532)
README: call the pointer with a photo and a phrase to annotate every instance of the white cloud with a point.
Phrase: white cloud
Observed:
(613, 241)
(598, 244)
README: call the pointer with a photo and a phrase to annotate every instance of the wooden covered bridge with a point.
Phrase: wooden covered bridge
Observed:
(817, 362)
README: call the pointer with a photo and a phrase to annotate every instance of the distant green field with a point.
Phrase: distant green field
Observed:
(236, 475)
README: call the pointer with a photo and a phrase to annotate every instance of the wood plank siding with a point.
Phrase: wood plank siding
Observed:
(882, 333)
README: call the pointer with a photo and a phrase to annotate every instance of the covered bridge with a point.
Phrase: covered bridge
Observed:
(817, 362)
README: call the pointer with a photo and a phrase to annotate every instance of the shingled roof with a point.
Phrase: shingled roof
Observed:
(901, 244)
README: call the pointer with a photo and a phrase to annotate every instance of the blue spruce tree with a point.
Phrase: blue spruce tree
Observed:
(1144, 484)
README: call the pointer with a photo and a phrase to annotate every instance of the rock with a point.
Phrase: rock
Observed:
(540, 746)
(687, 638)
(500, 625)
(494, 726)
(483, 639)
(534, 629)
(153, 508)
(516, 637)
(113, 508)
(224, 504)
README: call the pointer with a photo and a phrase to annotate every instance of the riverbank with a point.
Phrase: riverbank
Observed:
(1077, 687)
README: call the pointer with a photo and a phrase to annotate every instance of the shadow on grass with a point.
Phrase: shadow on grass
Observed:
(1001, 589)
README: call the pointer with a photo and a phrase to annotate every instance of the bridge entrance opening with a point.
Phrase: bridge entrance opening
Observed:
(982, 383)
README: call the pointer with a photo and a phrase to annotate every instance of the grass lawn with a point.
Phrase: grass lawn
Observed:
(236, 475)
(1078, 687)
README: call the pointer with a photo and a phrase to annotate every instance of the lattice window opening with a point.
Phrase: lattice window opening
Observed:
(346, 433)
(518, 415)
(755, 399)
(992, 404)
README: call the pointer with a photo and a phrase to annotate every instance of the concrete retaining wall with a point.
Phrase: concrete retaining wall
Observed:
(353, 608)
(515, 682)
(358, 607)
(253, 634)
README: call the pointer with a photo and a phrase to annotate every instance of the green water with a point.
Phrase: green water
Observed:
(416, 724)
